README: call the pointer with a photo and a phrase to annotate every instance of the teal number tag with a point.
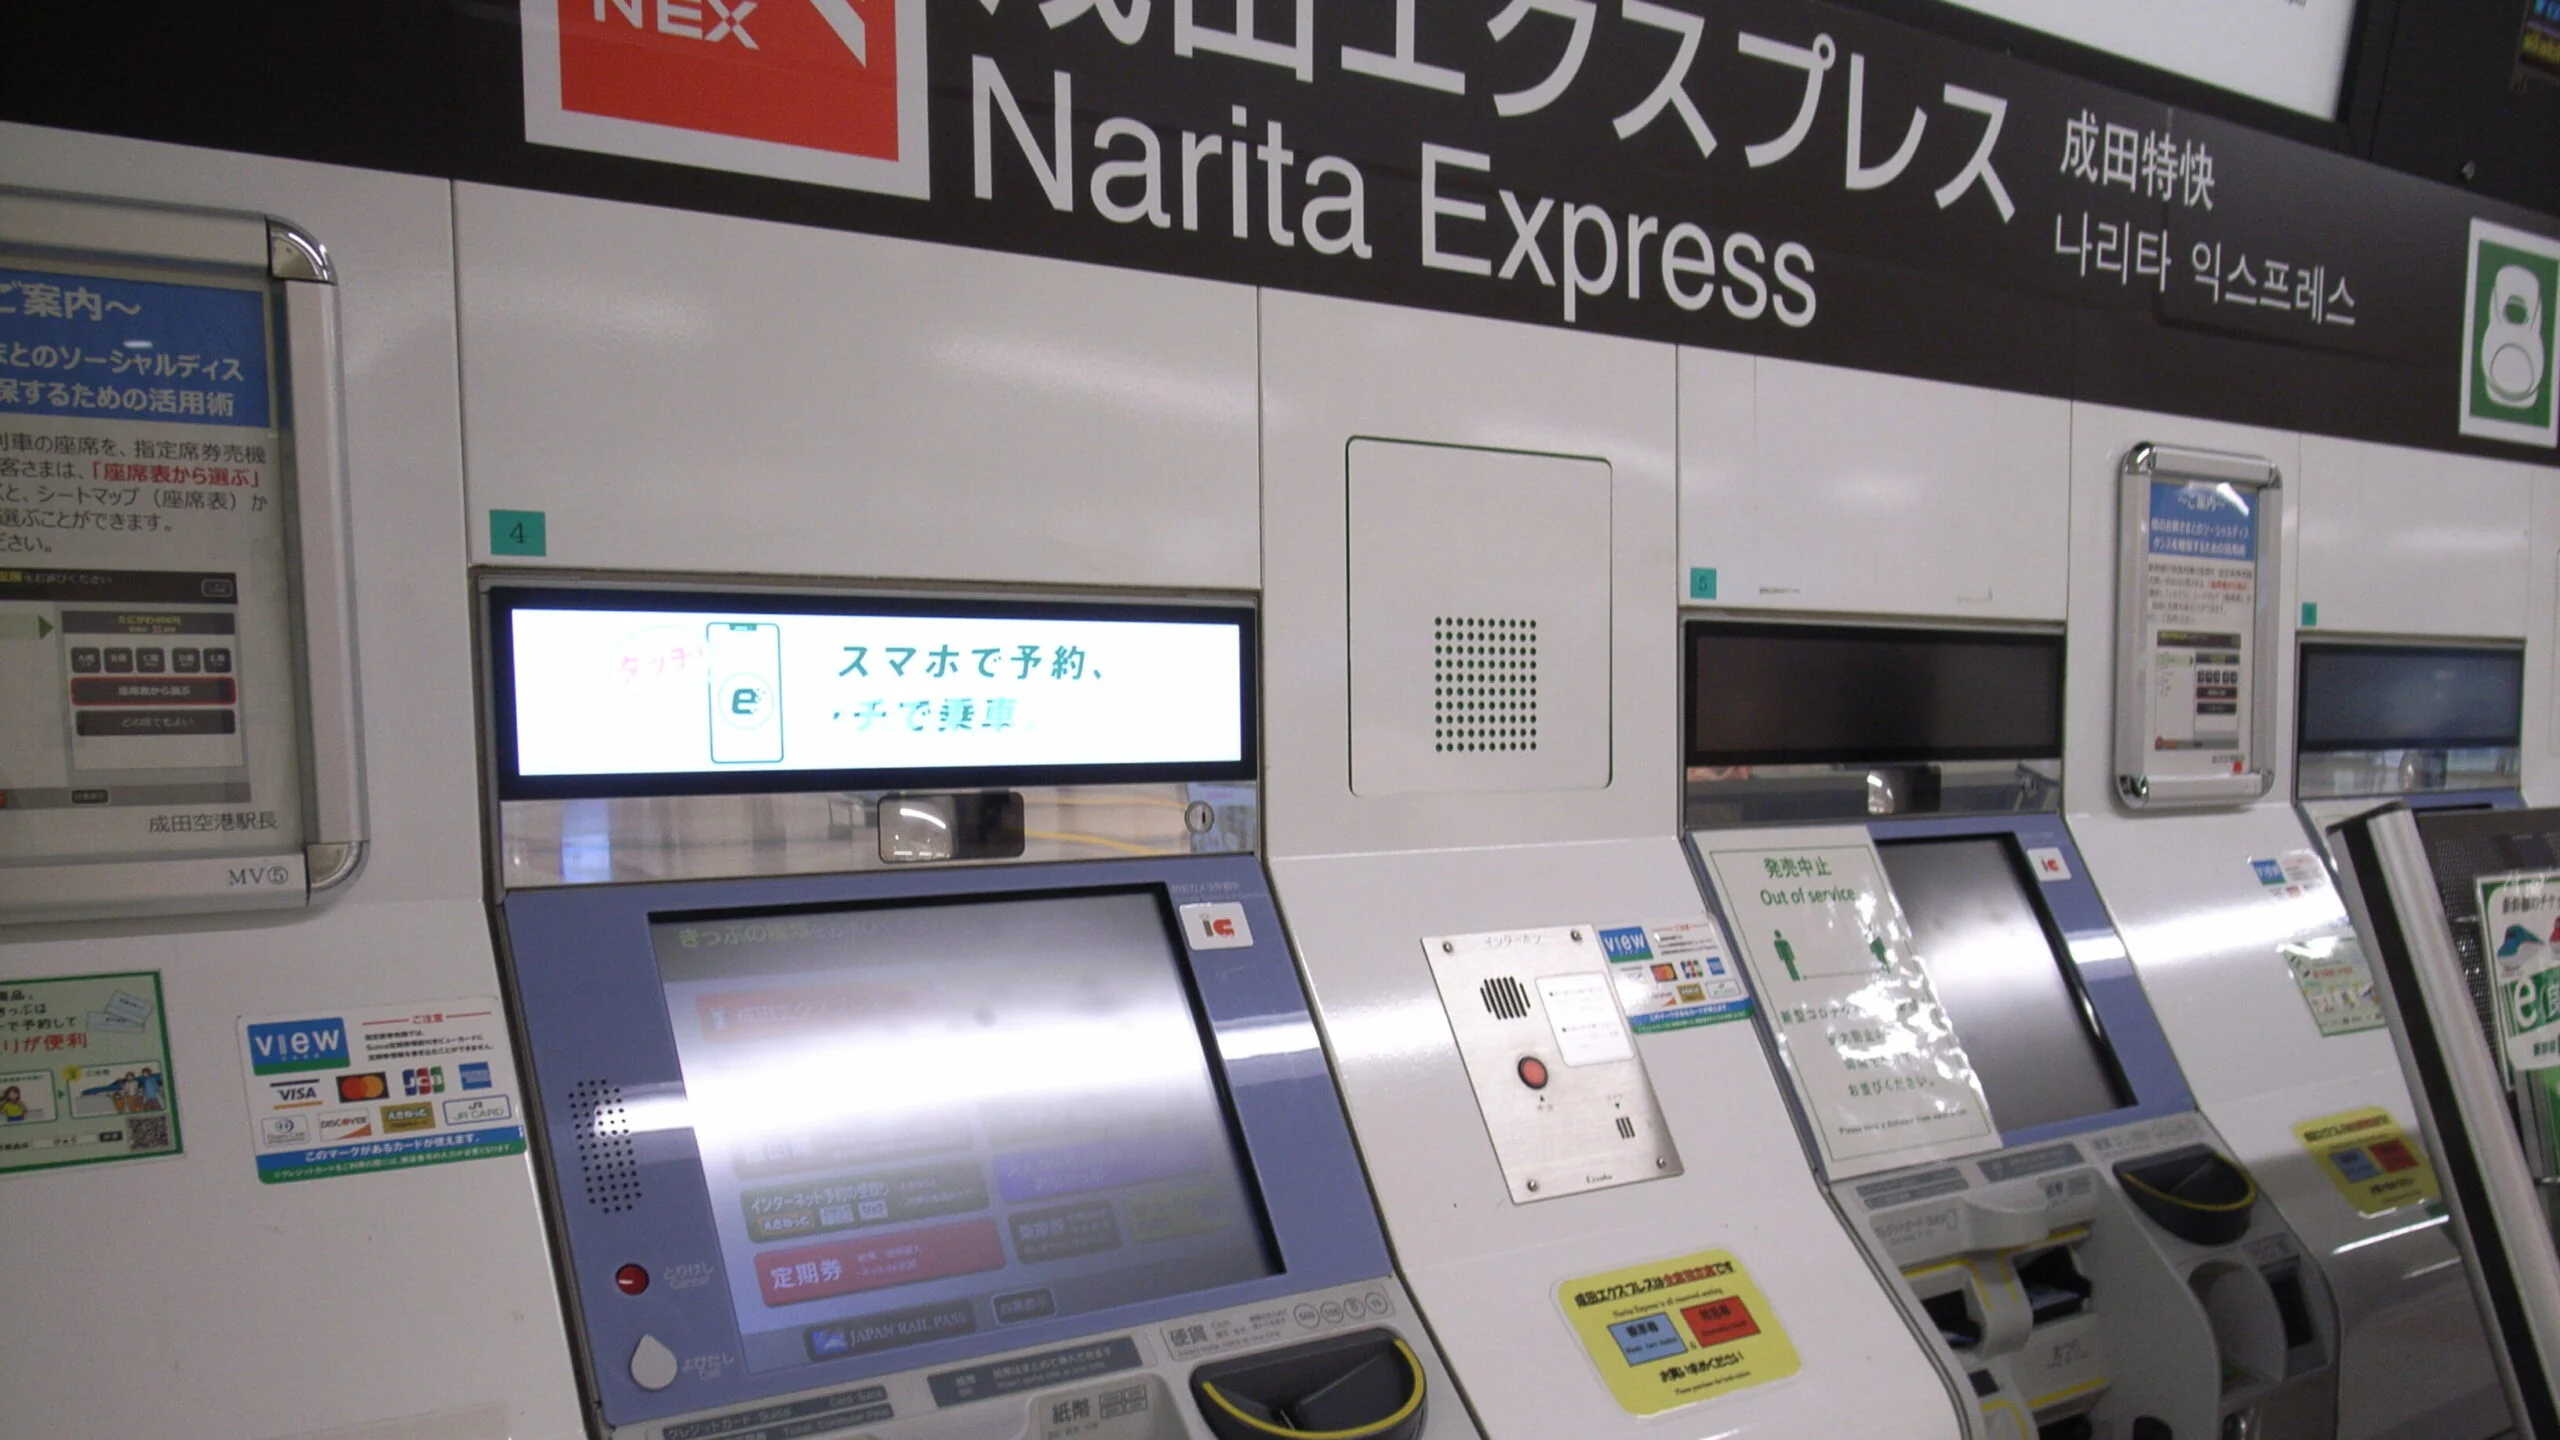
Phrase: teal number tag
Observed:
(516, 532)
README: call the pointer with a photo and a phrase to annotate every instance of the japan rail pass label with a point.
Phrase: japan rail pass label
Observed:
(1678, 1331)
(2520, 934)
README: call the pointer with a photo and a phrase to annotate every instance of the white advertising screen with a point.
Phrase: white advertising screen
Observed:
(596, 692)
(2291, 53)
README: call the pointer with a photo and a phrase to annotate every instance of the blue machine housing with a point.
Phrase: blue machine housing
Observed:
(593, 1017)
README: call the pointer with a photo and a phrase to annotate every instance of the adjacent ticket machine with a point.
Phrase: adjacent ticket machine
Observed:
(2178, 792)
(865, 1106)
(1992, 1101)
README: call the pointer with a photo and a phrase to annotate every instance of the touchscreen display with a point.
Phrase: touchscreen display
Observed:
(2392, 697)
(603, 692)
(2034, 1043)
(1764, 694)
(926, 1121)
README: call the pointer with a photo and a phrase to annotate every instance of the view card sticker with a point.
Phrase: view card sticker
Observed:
(380, 1087)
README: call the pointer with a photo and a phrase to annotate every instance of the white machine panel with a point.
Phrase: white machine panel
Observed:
(1483, 1269)
(306, 1318)
(2410, 542)
(1338, 374)
(1807, 487)
(1094, 425)
(2541, 747)
(1479, 620)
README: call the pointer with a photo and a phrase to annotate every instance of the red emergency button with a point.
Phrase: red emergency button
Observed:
(1533, 1072)
(631, 1279)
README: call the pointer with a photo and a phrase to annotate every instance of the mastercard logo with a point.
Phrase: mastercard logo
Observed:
(363, 1087)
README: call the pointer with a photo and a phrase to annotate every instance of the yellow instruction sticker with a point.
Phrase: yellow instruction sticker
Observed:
(1678, 1331)
(2366, 1156)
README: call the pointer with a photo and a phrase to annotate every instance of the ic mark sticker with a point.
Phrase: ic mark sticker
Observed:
(1677, 1331)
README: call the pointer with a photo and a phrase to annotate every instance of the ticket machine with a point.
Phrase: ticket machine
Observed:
(1874, 812)
(2185, 605)
(1585, 1165)
(868, 1109)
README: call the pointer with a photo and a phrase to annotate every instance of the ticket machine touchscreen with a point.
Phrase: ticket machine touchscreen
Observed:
(920, 1120)
(2034, 1039)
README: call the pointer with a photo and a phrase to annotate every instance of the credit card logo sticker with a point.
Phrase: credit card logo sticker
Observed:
(288, 1045)
(399, 1119)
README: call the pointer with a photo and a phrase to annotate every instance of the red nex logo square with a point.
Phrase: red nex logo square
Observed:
(826, 91)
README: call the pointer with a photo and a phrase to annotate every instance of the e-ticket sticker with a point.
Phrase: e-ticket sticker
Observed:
(1678, 1331)
(2375, 1164)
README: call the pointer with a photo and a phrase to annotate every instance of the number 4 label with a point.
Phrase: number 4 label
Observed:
(516, 532)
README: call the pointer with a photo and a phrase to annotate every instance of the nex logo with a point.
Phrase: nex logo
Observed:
(729, 22)
(829, 92)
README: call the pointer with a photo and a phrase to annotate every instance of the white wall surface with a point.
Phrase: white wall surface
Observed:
(1813, 488)
(1334, 370)
(181, 1296)
(2398, 541)
(698, 393)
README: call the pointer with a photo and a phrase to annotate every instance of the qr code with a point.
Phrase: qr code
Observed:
(147, 1132)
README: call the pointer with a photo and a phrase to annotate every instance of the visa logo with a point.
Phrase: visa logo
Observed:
(285, 1045)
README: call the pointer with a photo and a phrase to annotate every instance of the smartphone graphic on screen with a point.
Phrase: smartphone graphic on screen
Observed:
(746, 692)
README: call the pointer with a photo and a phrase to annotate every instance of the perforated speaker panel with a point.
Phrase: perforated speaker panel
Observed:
(608, 1169)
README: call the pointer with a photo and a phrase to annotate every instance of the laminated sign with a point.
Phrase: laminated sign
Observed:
(2520, 935)
(1881, 1072)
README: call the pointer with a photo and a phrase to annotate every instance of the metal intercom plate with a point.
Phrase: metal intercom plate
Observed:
(1564, 1094)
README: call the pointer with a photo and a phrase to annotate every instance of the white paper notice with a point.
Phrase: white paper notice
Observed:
(1584, 1016)
(2199, 609)
(1872, 1054)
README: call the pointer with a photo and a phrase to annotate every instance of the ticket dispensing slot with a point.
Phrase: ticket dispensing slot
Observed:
(928, 1146)
(1989, 1090)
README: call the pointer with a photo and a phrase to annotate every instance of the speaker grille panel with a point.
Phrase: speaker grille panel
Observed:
(1505, 997)
(607, 1167)
(1484, 683)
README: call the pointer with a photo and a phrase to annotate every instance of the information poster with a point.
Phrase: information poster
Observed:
(1678, 1331)
(146, 671)
(383, 1087)
(2374, 1164)
(1858, 1023)
(2199, 611)
(1675, 975)
(2520, 932)
(84, 1072)
(2336, 982)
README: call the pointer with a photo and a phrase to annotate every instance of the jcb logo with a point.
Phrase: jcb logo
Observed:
(831, 92)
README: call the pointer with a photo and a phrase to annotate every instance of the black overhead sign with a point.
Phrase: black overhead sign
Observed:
(1773, 176)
